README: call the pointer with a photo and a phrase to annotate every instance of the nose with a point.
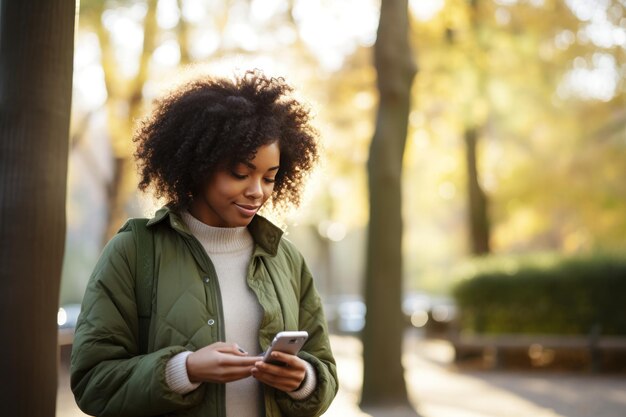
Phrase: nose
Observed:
(254, 190)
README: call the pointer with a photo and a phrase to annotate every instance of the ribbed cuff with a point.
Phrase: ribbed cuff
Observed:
(308, 385)
(176, 374)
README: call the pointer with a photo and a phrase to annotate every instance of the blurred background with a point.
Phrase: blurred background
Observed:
(514, 163)
(543, 81)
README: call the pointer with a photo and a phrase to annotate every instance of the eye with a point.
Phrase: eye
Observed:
(270, 180)
(238, 175)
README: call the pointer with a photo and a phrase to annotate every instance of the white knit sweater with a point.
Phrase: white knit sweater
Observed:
(230, 250)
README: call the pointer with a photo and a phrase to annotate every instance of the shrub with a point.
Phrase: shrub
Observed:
(568, 296)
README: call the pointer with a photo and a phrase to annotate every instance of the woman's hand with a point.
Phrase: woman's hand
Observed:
(220, 362)
(285, 378)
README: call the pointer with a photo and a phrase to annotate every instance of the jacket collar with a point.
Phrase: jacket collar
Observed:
(266, 235)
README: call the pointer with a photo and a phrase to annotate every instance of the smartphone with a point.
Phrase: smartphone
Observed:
(288, 342)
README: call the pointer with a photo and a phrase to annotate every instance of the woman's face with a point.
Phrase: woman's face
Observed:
(231, 197)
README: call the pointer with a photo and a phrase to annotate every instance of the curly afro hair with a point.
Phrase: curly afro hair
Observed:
(215, 123)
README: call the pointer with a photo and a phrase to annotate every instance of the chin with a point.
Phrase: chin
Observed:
(240, 222)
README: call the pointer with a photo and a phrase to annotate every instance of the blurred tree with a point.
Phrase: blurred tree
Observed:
(561, 191)
(36, 57)
(124, 104)
(521, 80)
(383, 374)
(478, 219)
(183, 36)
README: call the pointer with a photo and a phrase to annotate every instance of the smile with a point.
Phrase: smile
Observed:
(247, 210)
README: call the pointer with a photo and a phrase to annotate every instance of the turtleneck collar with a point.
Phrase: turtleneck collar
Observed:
(218, 239)
(266, 235)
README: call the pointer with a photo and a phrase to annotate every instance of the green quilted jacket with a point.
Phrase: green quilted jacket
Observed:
(109, 376)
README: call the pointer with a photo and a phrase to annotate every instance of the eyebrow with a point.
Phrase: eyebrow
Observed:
(252, 166)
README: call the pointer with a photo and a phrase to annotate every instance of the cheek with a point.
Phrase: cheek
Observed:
(268, 191)
(224, 189)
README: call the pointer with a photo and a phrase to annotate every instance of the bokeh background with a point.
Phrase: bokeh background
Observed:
(543, 82)
(535, 90)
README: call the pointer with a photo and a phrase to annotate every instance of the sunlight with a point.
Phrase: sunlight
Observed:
(600, 30)
(263, 10)
(585, 9)
(168, 14)
(424, 10)
(239, 33)
(364, 100)
(334, 231)
(125, 26)
(194, 10)
(564, 39)
(205, 44)
(89, 88)
(286, 35)
(167, 54)
(503, 16)
(447, 190)
(346, 24)
(243, 35)
(506, 2)
(421, 139)
(604, 34)
(597, 81)
(61, 317)
(224, 67)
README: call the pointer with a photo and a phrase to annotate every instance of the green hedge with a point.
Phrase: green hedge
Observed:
(569, 296)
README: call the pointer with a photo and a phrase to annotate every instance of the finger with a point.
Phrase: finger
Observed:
(273, 372)
(276, 372)
(218, 345)
(282, 383)
(233, 348)
(233, 374)
(291, 361)
(232, 360)
(269, 368)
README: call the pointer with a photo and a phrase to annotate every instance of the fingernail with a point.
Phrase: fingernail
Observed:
(241, 350)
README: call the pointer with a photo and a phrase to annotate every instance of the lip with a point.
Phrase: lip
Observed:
(247, 209)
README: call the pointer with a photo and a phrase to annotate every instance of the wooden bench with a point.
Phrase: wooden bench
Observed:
(593, 352)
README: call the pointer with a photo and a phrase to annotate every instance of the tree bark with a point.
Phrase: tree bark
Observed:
(36, 58)
(383, 374)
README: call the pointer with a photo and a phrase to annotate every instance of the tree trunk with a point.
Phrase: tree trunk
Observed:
(36, 57)
(183, 35)
(478, 219)
(383, 374)
(124, 181)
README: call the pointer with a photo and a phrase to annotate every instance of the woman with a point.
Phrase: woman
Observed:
(217, 150)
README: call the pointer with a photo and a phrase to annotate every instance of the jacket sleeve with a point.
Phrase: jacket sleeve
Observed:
(108, 376)
(316, 351)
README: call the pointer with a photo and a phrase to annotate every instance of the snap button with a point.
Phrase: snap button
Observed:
(206, 280)
(211, 322)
